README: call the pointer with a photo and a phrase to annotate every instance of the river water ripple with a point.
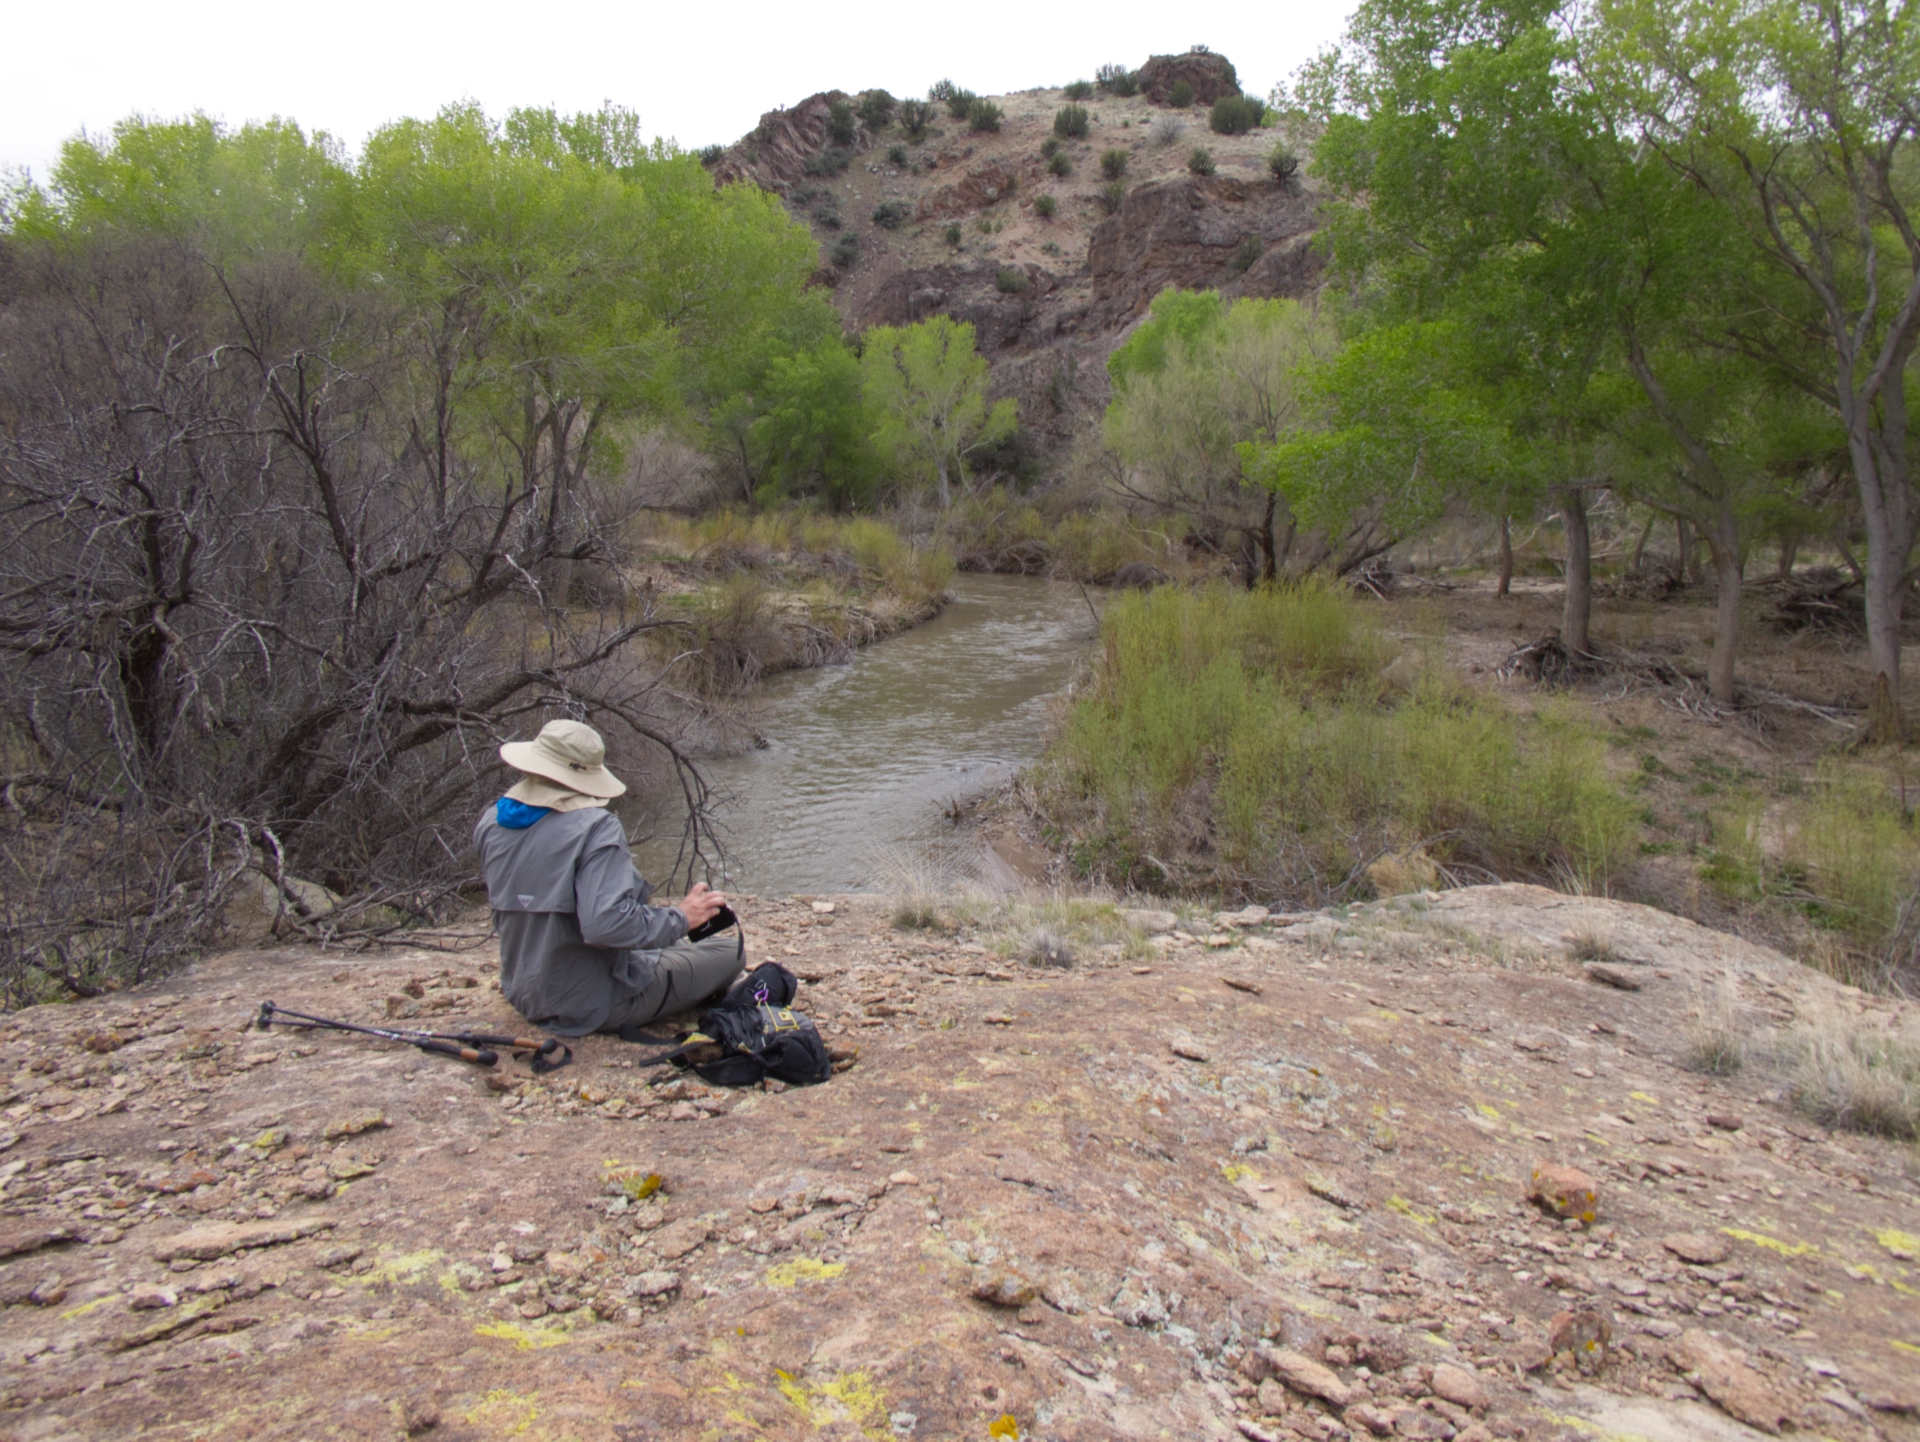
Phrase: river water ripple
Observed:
(862, 758)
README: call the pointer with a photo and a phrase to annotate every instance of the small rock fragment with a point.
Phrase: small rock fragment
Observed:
(654, 1284)
(1724, 1121)
(1734, 1387)
(1273, 1399)
(1364, 1418)
(1151, 922)
(1564, 1191)
(1238, 985)
(353, 1126)
(823, 908)
(1459, 1386)
(1422, 1426)
(148, 1298)
(1004, 1289)
(1307, 1377)
(1613, 976)
(903, 1179)
(16, 1240)
(1584, 1333)
(416, 1415)
(1698, 1249)
(1189, 1050)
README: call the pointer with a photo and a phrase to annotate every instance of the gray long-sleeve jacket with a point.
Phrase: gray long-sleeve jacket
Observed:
(572, 915)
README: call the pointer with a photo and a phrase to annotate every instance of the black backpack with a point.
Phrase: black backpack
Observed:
(754, 1033)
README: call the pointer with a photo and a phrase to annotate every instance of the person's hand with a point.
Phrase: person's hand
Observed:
(702, 904)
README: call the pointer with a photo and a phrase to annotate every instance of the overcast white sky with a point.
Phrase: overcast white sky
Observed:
(698, 72)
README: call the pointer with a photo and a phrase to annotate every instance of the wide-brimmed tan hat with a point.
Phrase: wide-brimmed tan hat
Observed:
(570, 753)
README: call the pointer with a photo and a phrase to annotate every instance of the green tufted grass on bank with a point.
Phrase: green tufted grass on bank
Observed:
(1259, 744)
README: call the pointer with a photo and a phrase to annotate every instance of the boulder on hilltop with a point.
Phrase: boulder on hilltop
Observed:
(1211, 76)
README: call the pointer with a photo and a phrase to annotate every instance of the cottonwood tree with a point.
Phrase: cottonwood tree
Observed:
(926, 391)
(1798, 119)
(1197, 383)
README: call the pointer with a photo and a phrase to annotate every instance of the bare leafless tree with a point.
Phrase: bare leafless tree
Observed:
(267, 604)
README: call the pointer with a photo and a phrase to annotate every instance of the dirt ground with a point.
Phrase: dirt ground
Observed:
(1257, 1181)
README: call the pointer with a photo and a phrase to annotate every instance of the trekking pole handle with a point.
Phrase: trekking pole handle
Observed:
(465, 1053)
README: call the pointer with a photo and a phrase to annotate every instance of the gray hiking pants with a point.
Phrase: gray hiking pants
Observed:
(685, 974)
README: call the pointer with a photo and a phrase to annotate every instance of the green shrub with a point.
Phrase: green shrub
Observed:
(952, 234)
(1044, 206)
(1049, 147)
(846, 252)
(1236, 114)
(915, 117)
(1284, 164)
(941, 91)
(1113, 164)
(1181, 95)
(1200, 162)
(892, 214)
(711, 155)
(897, 155)
(1071, 122)
(1117, 80)
(1011, 280)
(1255, 718)
(1078, 90)
(1112, 195)
(960, 102)
(1060, 164)
(841, 125)
(1245, 254)
(876, 108)
(828, 217)
(984, 116)
(828, 162)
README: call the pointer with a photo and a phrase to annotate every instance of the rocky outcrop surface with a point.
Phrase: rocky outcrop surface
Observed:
(1000, 320)
(980, 188)
(1190, 232)
(1211, 76)
(776, 154)
(1247, 1176)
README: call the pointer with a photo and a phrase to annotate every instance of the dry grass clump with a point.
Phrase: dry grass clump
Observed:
(1591, 943)
(1849, 1072)
(1045, 946)
(1716, 1040)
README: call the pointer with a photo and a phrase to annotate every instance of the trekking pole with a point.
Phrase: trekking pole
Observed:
(271, 1015)
(541, 1049)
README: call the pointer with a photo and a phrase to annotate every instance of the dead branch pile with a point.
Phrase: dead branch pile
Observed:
(1549, 661)
(1825, 599)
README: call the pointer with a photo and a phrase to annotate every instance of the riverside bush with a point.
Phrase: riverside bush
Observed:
(1071, 122)
(1241, 738)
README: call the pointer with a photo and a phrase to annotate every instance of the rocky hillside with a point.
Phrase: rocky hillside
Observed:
(1415, 1171)
(1048, 296)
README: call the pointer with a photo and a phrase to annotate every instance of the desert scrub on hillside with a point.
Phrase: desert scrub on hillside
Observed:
(1071, 122)
(983, 116)
(960, 102)
(1244, 741)
(1112, 196)
(1059, 164)
(1284, 165)
(1236, 114)
(1078, 89)
(1180, 95)
(892, 214)
(1113, 164)
(915, 117)
(1200, 162)
(1044, 206)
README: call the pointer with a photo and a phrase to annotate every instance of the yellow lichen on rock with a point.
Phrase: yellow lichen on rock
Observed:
(785, 1275)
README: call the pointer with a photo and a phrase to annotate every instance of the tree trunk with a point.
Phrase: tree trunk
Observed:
(1683, 542)
(1505, 587)
(1269, 558)
(1724, 542)
(1886, 591)
(1640, 546)
(946, 498)
(1789, 550)
(1577, 612)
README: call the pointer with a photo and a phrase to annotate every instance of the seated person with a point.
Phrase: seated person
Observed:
(580, 948)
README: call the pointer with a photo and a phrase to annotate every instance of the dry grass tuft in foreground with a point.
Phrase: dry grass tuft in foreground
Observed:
(1716, 1039)
(1849, 1073)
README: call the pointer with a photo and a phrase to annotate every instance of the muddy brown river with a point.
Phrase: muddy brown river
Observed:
(863, 758)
